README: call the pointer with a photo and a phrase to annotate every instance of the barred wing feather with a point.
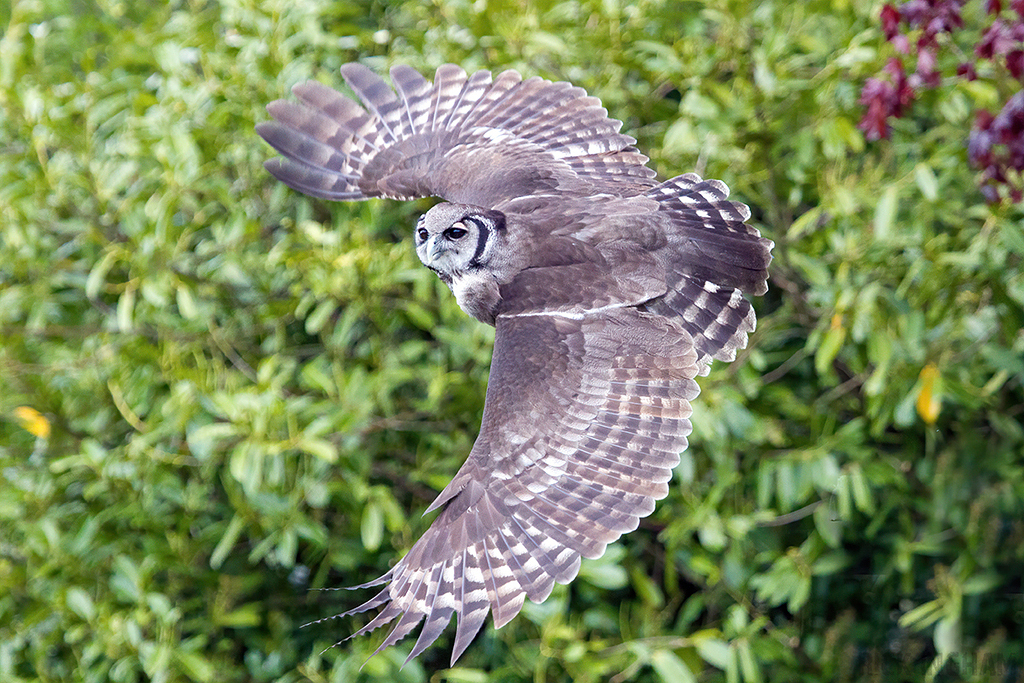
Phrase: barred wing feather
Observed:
(469, 139)
(560, 469)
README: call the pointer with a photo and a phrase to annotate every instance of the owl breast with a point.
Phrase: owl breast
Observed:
(478, 294)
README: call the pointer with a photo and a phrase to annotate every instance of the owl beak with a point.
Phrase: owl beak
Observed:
(435, 247)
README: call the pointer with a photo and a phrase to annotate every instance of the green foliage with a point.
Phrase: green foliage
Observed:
(218, 394)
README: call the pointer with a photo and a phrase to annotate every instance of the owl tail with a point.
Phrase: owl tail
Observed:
(714, 258)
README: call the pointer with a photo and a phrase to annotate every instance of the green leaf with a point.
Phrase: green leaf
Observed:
(646, 588)
(926, 182)
(323, 311)
(81, 603)
(670, 669)
(98, 274)
(246, 616)
(227, 541)
(885, 213)
(1013, 237)
(922, 615)
(372, 527)
(321, 448)
(606, 571)
(748, 663)
(829, 349)
(861, 491)
(806, 222)
(196, 666)
(715, 652)
(186, 302)
(981, 583)
(126, 309)
(829, 524)
(830, 563)
(947, 636)
(464, 675)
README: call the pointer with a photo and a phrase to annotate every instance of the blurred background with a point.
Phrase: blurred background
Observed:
(219, 398)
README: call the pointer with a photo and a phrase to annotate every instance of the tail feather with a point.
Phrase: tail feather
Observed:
(713, 258)
(719, 320)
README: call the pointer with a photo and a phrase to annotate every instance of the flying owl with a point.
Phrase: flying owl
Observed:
(609, 293)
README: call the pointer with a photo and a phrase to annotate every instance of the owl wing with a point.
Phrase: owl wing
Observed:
(585, 416)
(682, 249)
(468, 139)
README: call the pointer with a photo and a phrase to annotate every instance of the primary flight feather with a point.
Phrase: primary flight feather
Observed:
(609, 291)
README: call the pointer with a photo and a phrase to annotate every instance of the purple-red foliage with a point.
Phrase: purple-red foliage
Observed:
(996, 146)
(885, 97)
(996, 143)
(998, 40)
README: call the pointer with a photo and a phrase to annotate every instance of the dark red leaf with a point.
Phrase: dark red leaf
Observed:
(983, 119)
(997, 40)
(979, 148)
(894, 67)
(1015, 63)
(966, 70)
(874, 123)
(890, 21)
(926, 68)
(915, 11)
(1008, 124)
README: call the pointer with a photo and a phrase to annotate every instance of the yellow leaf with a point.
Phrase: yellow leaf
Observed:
(929, 397)
(33, 422)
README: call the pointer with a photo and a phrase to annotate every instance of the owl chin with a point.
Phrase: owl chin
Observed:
(478, 294)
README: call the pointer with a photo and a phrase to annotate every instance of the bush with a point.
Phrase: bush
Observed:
(220, 396)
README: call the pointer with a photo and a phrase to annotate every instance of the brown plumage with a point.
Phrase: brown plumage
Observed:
(610, 293)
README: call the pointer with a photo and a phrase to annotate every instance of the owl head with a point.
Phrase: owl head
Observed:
(456, 239)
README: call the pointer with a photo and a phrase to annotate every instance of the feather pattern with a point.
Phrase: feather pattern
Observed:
(516, 520)
(610, 293)
(421, 138)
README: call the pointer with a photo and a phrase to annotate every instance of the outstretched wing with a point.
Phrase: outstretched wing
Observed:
(467, 139)
(585, 417)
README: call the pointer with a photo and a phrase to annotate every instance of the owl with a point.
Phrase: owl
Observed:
(609, 291)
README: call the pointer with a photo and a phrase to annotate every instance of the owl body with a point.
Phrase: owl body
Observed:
(610, 293)
(479, 252)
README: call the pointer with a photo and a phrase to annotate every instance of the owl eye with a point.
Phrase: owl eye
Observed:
(454, 233)
(422, 234)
